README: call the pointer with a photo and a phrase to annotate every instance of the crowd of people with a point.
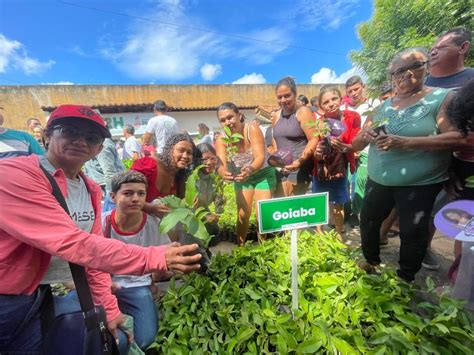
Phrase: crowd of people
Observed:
(394, 160)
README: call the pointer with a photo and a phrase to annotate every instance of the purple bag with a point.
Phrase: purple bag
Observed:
(281, 158)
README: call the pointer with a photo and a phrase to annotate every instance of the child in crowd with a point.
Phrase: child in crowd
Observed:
(334, 153)
(129, 224)
(205, 187)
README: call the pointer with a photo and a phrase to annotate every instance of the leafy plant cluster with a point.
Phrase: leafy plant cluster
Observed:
(230, 140)
(242, 306)
(192, 221)
(228, 218)
(399, 24)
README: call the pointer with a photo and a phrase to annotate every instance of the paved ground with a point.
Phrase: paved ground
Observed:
(441, 246)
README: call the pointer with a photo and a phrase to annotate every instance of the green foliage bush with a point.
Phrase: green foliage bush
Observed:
(242, 306)
(399, 24)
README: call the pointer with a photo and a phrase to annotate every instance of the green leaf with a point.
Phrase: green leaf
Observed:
(253, 295)
(343, 346)
(429, 284)
(173, 218)
(245, 333)
(227, 131)
(309, 346)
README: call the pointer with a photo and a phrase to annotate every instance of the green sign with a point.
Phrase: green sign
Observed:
(293, 212)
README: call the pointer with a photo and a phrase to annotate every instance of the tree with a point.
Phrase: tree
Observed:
(399, 24)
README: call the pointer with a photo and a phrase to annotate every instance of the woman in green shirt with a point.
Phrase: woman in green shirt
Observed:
(408, 161)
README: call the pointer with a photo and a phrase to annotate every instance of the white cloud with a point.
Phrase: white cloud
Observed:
(261, 51)
(330, 14)
(60, 83)
(211, 71)
(253, 78)
(329, 76)
(13, 55)
(158, 50)
(76, 49)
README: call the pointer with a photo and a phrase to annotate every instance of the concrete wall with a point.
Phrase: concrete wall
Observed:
(21, 102)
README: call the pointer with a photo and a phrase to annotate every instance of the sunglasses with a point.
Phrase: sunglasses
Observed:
(72, 132)
(399, 73)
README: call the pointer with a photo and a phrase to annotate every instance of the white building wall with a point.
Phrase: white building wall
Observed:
(187, 120)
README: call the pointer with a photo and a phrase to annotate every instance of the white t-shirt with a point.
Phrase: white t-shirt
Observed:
(148, 235)
(163, 127)
(131, 146)
(80, 207)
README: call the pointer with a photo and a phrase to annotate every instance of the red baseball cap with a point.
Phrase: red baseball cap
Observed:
(69, 113)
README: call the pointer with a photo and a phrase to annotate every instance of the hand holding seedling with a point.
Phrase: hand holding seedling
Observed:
(244, 174)
(321, 149)
(227, 176)
(337, 144)
(368, 135)
(389, 141)
(182, 259)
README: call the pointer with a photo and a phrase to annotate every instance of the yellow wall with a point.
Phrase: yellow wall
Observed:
(22, 102)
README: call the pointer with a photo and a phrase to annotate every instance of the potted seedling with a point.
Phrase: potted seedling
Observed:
(327, 129)
(188, 225)
(380, 126)
(235, 160)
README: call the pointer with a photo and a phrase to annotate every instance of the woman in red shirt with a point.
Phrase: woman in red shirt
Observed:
(334, 152)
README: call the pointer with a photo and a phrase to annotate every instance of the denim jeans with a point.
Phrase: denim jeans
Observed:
(20, 321)
(414, 204)
(138, 302)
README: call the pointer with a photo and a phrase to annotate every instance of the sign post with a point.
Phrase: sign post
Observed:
(290, 214)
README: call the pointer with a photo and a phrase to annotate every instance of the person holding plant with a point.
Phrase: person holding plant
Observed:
(334, 151)
(408, 163)
(33, 231)
(243, 155)
(292, 129)
(166, 172)
(129, 224)
(204, 187)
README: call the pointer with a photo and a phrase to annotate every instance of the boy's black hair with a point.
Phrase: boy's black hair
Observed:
(127, 177)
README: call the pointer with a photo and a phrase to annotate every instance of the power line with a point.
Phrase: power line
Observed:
(245, 38)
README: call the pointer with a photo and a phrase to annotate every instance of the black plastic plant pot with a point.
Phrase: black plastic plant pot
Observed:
(327, 146)
(234, 170)
(187, 239)
(380, 129)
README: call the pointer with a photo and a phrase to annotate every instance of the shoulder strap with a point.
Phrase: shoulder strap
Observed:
(78, 272)
(108, 226)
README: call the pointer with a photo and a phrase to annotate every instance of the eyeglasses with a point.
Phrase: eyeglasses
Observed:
(399, 73)
(72, 132)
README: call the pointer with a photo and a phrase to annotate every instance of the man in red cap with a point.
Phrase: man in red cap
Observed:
(38, 238)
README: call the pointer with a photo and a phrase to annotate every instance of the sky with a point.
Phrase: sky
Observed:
(178, 41)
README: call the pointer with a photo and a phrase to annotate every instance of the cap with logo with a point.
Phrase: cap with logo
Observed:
(72, 113)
